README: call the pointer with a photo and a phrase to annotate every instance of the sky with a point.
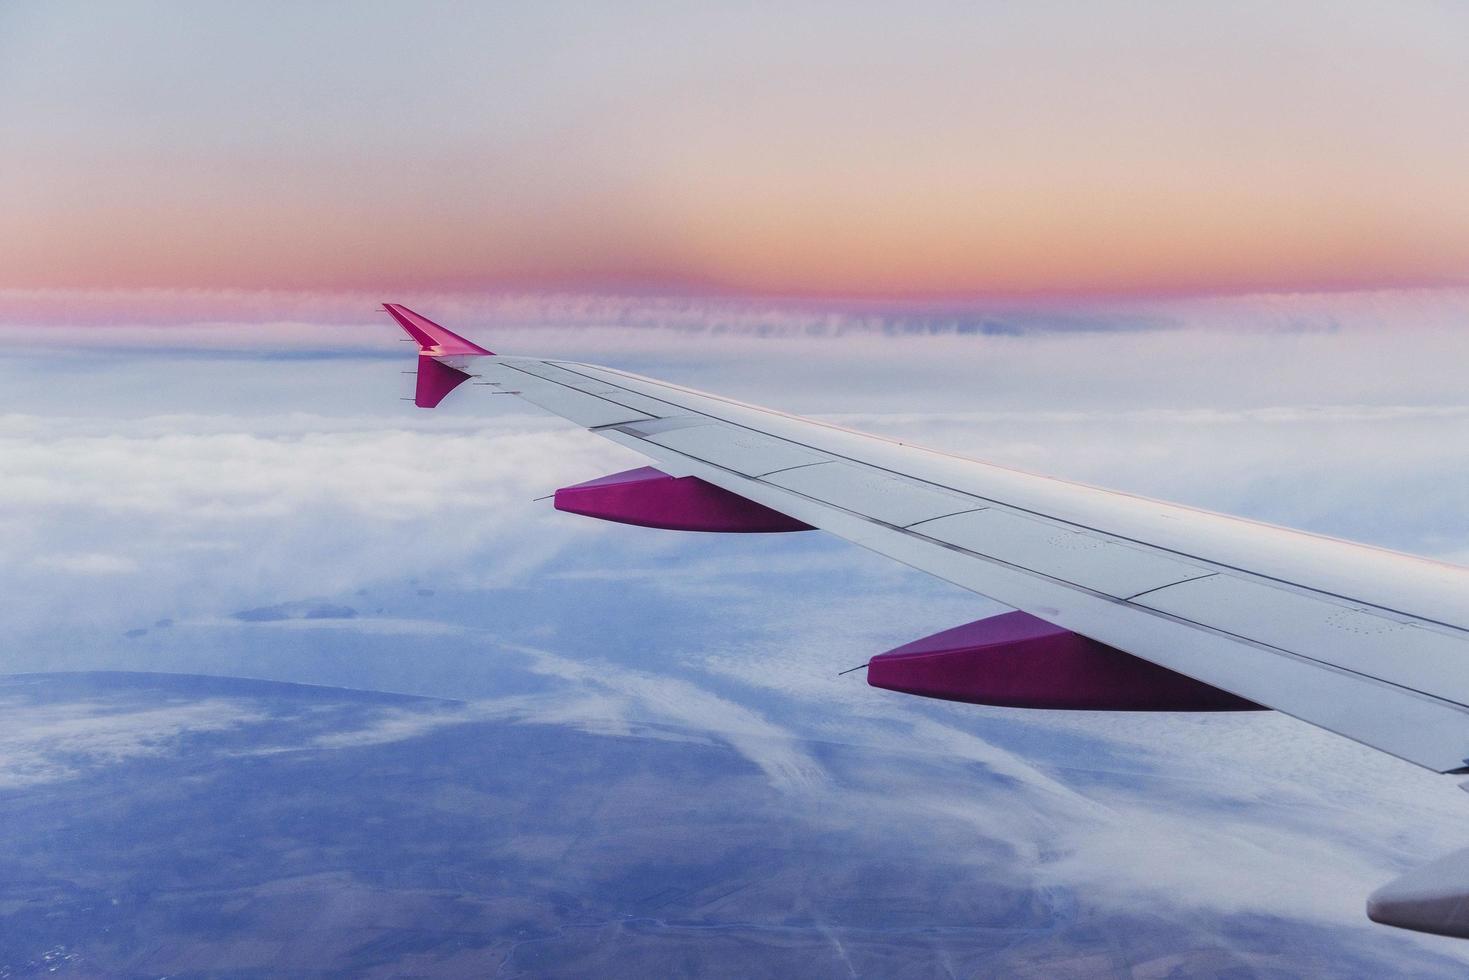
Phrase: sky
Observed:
(815, 149)
(1215, 254)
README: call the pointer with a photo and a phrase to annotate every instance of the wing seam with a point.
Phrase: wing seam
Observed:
(1457, 629)
(1114, 600)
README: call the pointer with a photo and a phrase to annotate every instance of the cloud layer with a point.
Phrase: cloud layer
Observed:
(137, 536)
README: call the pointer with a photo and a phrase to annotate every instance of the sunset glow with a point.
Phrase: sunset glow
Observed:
(841, 150)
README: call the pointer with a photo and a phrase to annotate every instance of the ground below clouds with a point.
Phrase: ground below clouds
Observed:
(293, 830)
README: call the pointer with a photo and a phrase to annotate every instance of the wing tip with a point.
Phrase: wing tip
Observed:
(433, 339)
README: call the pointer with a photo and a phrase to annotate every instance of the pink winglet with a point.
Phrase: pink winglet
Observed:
(1016, 660)
(435, 380)
(650, 498)
(432, 339)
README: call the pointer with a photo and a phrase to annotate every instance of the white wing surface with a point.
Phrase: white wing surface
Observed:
(1371, 644)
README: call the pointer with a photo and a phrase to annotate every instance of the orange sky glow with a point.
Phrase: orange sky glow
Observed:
(957, 152)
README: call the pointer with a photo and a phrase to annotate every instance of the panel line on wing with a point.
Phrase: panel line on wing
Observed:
(940, 517)
(1427, 621)
(586, 398)
(1139, 595)
(798, 466)
(644, 429)
(1291, 655)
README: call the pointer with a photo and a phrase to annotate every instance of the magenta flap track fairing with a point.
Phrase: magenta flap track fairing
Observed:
(650, 498)
(1016, 660)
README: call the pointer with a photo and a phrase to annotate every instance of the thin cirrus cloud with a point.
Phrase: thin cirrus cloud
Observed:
(827, 149)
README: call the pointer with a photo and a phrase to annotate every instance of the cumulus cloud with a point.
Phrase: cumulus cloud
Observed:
(226, 517)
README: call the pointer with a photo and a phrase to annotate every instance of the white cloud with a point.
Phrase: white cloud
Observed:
(658, 697)
(596, 712)
(46, 743)
(373, 625)
(89, 563)
(261, 318)
(227, 517)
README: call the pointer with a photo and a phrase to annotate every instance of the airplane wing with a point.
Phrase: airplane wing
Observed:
(1368, 643)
